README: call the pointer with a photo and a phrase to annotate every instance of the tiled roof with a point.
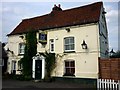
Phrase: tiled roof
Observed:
(61, 18)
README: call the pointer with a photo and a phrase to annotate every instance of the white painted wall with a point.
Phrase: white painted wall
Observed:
(86, 61)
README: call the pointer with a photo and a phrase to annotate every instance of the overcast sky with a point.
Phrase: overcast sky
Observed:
(13, 13)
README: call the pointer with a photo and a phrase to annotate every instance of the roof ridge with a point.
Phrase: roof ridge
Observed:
(64, 10)
(89, 13)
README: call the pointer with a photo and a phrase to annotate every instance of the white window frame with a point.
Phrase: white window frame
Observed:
(21, 48)
(69, 43)
(52, 42)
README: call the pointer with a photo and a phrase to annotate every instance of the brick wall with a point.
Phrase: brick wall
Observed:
(109, 68)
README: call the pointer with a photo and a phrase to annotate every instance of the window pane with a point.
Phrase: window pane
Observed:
(72, 47)
(67, 70)
(66, 47)
(66, 64)
(72, 70)
(71, 40)
(72, 64)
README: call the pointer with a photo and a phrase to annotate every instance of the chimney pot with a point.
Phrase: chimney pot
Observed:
(55, 5)
(59, 5)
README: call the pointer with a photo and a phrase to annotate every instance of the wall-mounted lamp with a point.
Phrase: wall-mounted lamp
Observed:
(21, 36)
(84, 45)
(67, 29)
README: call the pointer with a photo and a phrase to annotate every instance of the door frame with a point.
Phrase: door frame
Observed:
(38, 57)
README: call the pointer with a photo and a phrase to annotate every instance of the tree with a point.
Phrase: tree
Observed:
(30, 51)
(116, 54)
(50, 64)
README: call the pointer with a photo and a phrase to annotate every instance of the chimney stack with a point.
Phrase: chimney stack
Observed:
(57, 8)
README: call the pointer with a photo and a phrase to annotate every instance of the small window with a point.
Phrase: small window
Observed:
(69, 68)
(21, 48)
(51, 45)
(69, 44)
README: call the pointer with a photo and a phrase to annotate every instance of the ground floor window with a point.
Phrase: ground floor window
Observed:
(69, 68)
(1, 62)
(19, 65)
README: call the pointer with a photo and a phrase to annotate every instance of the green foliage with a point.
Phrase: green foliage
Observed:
(116, 54)
(30, 51)
(50, 64)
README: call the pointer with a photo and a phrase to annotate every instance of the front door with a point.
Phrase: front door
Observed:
(14, 67)
(38, 69)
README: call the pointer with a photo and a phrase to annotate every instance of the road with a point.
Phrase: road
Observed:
(31, 85)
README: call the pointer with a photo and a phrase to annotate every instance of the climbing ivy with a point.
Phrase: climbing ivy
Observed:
(30, 51)
(50, 64)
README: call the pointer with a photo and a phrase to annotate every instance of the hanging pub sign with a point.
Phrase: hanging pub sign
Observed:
(43, 37)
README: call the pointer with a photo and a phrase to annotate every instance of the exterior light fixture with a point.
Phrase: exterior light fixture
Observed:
(21, 37)
(67, 29)
(84, 45)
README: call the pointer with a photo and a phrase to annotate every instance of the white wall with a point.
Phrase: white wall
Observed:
(86, 61)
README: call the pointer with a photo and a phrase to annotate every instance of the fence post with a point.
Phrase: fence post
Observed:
(97, 84)
(119, 84)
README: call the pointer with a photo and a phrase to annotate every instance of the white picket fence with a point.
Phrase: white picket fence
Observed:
(107, 84)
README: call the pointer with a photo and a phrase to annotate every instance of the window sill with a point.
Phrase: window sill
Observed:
(19, 70)
(20, 54)
(69, 51)
(72, 75)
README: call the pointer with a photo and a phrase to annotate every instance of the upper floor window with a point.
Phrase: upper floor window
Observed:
(51, 45)
(21, 48)
(69, 44)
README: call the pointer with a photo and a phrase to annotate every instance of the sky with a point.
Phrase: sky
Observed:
(12, 13)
